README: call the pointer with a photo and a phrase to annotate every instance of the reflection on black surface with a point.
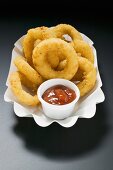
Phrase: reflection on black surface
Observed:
(60, 143)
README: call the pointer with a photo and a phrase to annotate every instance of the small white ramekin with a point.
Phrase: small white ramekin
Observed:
(57, 111)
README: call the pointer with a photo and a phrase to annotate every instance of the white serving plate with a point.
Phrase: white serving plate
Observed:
(86, 106)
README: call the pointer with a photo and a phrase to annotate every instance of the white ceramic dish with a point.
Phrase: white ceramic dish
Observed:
(86, 106)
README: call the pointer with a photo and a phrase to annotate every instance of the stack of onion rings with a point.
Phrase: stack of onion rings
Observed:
(48, 55)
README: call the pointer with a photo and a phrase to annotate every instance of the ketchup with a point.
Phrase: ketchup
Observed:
(59, 95)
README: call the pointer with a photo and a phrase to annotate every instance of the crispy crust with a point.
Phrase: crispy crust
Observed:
(62, 29)
(39, 33)
(22, 96)
(89, 76)
(24, 68)
(84, 49)
(27, 83)
(60, 47)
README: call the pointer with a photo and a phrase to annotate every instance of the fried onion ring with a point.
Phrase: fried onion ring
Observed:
(63, 29)
(27, 83)
(22, 96)
(84, 49)
(39, 33)
(88, 72)
(63, 50)
(24, 68)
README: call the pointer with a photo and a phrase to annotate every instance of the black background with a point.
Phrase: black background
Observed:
(88, 145)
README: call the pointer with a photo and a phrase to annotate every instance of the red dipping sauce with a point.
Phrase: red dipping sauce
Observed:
(59, 95)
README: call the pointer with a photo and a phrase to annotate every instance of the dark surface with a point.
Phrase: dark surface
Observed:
(88, 145)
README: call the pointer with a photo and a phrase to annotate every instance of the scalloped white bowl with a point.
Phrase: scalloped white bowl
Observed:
(86, 107)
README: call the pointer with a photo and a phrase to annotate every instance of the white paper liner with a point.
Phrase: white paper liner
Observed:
(86, 105)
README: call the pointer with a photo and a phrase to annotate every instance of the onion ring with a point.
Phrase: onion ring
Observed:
(88, 72)
(22, 96)
(39, 33)
(24, 68)
(63, 29)
(27, 83)
(84, 49)
(63, 50)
